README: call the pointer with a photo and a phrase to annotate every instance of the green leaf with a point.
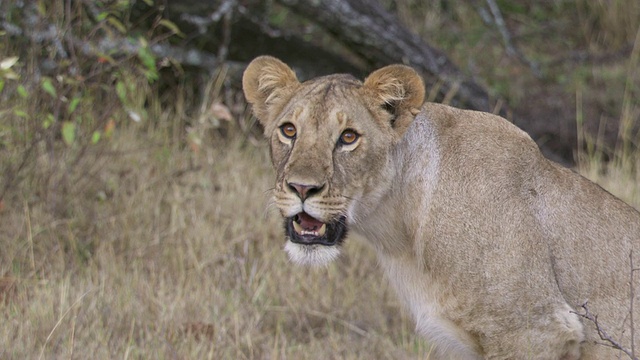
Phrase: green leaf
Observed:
(47, 86)
(121, 91)
(123, 4)
(151, 75)
(105, 58)
(171, 26)
(21, 113)
(22, 91)
(49, 119)
(74, 104)
(1, 85)
(147, 58)
(511, 7)
(69, 132)
(102, 16)
(7, 63)
(279, 18)
(117, 24)
(95, 137)
(10, 74)
(149, 61)
(42, 9)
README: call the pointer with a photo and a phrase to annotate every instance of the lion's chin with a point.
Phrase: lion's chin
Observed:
(311, 255)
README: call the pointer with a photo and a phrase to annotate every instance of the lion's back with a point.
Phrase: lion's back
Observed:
(591, 236)
(494, 181)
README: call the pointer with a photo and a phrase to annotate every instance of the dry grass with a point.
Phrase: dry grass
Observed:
(188, 265)
(184, 265)
(623, 169)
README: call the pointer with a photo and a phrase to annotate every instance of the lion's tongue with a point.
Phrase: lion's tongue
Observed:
(305, 225)
(308, 223)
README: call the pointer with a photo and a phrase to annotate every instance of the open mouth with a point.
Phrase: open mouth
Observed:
(303, 229)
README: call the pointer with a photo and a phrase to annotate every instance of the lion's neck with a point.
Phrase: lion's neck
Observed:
(384, 229)
(397, 223)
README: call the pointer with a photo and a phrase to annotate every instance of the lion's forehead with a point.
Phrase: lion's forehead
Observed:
(323, 119)
(323, 113)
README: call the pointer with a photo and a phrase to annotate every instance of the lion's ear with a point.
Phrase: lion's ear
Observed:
(400, 90)
(266, 82)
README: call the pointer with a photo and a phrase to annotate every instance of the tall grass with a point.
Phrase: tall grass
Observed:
(621, 174)
(155, 243)
(186, 265)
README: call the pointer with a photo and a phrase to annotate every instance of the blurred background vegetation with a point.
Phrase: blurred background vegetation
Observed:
(134, 180)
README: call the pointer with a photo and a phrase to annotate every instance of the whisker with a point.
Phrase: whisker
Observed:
(269, 207)
(352, 199)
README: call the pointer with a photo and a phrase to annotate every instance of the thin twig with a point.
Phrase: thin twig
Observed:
(347, 325)
(44, 346)
(263, 24)
(604, 336)
(115, 45)
(11, 175)
(203, 23)
(27, 214)
(512, 50)
(223, 50)
(631, 295)
(72, 341)
(582, 57)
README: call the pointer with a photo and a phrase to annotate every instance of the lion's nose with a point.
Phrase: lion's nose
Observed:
(305, 191)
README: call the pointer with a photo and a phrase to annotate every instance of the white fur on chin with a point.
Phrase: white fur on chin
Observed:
(312, 255)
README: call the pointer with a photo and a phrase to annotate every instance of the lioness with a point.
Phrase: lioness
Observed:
(492, 247)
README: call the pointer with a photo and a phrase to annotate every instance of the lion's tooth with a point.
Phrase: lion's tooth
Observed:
(298, 228)
(323, 229)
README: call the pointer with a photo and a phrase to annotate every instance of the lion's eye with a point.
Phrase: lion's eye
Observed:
(348, 137)
(288, 130)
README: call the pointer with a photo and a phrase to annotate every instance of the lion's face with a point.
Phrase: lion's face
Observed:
(331, 142)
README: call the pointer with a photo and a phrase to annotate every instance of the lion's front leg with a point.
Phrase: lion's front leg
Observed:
(558, 334)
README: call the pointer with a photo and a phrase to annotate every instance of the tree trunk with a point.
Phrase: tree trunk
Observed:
(376, 35)
(369, 31)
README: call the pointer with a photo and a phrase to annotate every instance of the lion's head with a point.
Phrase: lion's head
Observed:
(331, 141)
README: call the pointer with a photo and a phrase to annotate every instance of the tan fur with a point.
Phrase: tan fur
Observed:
(490, 245)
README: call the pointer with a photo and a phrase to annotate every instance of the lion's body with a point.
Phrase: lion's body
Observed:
(491, 246)
(501, 229)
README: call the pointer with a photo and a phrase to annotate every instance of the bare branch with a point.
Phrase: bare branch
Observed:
(203, 23)
(631, 296)
(582, 57)
(377, 36)
(604, 336)
(512, 50)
